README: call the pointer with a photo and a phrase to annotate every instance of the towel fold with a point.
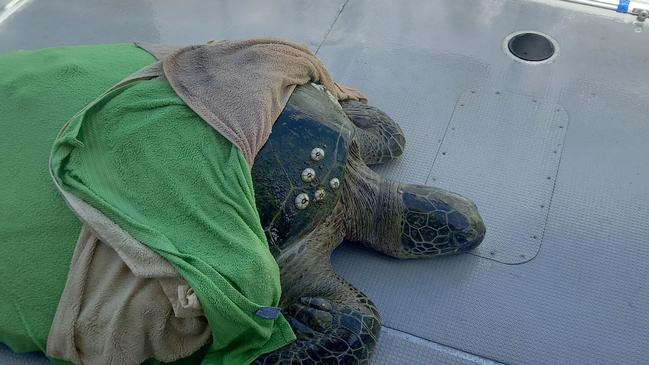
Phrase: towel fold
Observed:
(124, 304)
(241, 87)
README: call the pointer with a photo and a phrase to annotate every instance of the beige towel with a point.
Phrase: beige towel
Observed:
(122, 302)
(240, 88)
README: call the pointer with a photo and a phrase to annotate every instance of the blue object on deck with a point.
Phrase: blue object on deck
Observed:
(623, 6)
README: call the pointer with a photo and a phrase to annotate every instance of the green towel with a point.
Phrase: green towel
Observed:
(39, 92)
(151, 165)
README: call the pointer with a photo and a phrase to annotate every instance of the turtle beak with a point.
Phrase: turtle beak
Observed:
(438, 222)
(469, 238)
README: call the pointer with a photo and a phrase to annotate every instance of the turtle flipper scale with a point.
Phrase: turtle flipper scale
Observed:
(379, 137)
(405, 220)
(334, 322)
(338, 334)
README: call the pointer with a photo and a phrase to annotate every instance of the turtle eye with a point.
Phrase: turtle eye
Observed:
(302, 201)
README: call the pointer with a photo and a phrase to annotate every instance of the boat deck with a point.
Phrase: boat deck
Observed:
(555, 155)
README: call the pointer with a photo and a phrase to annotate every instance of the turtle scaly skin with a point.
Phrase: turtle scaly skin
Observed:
(334, 322)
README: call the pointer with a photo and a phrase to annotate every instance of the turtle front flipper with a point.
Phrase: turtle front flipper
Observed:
(334, 322)
(380, 139)
(405, 220)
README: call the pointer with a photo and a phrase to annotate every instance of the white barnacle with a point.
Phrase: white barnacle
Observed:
(319, 195)
(334, 183)
(302, 201)
(308, 175)
(317, 154)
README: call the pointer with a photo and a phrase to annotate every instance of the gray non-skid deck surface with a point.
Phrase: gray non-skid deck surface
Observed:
(556, 157)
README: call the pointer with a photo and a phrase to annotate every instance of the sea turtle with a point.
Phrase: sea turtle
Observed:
(313, 189)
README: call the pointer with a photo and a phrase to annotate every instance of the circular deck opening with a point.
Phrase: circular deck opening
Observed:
(531, 47)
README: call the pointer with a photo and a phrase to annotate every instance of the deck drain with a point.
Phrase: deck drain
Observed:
(530, 47)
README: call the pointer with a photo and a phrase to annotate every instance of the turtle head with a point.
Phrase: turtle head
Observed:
(436, 221)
